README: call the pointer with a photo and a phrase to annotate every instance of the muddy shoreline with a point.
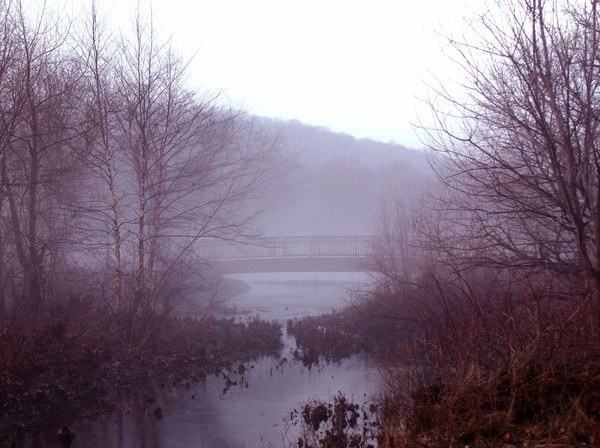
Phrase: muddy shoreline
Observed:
(52, 374)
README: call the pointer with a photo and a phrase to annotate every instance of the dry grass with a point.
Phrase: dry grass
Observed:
(495, 360)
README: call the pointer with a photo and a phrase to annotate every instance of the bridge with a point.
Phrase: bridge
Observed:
(291, 253)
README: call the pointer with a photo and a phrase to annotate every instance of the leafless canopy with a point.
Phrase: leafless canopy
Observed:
(111, 164)
(519, 150)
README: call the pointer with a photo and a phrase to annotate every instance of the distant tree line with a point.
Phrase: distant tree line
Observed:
(340, 185)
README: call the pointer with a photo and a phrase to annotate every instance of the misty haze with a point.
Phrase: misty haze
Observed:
(177, 270)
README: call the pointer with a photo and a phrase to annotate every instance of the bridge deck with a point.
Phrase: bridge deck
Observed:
(291, 247)
(256, 265)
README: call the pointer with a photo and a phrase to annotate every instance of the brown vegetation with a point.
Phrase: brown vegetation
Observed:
(495, 282)
(323, 339)
(366, 326)
(339, 423)
(501, 315)
(495, 362)
(483, 359)
(111, 169)
(53, 372)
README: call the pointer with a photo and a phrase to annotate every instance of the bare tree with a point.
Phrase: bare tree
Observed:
(101, 151)
(41, 80)
(399, 255)
(172, 166)
(520, 150)
(9, 107)
(108, 159)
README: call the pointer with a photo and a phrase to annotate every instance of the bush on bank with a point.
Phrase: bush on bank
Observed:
(76, 369)
(484, 359)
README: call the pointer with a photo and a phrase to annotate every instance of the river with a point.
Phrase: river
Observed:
(256, 415)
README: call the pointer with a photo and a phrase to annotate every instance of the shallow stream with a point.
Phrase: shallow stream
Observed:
(255, 413)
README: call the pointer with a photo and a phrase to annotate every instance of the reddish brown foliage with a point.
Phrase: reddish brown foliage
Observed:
(51, 370)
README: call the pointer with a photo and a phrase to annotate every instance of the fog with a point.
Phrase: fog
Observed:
(339, 185)
(479, 304)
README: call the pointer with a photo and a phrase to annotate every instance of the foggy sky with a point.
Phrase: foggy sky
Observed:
(352, 66)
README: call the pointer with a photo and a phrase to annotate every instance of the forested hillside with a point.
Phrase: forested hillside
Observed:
(338, 184)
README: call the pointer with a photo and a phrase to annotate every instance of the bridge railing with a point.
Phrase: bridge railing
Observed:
(291, 247)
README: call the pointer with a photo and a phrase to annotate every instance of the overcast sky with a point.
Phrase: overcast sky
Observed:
(354, 66)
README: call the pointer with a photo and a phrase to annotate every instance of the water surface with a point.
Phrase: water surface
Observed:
(252, 415)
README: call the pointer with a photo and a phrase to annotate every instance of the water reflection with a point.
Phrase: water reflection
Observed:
(287, 295)
(252, 416)
(203, 417)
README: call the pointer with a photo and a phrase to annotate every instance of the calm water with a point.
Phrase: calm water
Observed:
(286, 295)
(252, 416)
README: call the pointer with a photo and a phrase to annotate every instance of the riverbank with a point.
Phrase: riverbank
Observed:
(54, 372)
(483, 381)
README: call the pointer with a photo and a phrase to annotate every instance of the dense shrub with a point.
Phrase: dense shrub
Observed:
(494, 358)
